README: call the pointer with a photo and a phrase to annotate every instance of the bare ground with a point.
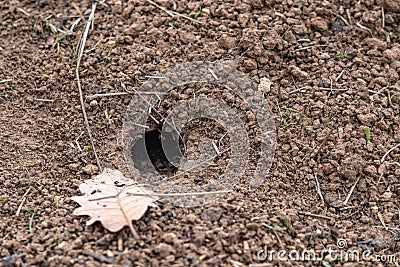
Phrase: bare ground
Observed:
(334, 68)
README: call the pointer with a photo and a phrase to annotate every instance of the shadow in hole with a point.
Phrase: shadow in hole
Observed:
(148, 153)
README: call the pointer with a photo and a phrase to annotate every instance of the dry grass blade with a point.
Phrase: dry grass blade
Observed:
(81, 49)
(351, 192)
(106, 200)
(390, 150)
(173, 13)
(22, 202)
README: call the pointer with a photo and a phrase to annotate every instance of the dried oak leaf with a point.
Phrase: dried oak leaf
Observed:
(113, 200)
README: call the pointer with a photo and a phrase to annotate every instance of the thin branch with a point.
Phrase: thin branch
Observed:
(162, 8)
(43, 100)
(173, 13)
(314, 155)
(315, 215)
(390, 150)
(186, 17)
(319, 189)
(181, 194)
(22, 202)
(307, 47)
(273, 230)
(81, 49)
(351, 192)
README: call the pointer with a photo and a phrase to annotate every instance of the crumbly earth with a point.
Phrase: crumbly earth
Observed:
(335, 95)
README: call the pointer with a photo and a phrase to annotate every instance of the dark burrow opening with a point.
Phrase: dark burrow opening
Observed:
(148, 153)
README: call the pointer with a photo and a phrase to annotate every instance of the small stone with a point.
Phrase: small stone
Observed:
(367, 118)
(392, 54)
(191, 218)
(135, 28)
(50, 41)
(250, 64)
(93, 103)
(374, 42)
(90, 169)
(285, 148)
(370, 170)
(164, 250)
(227, 42)
(74, 167)
(297, 72)
(77, 243)
(319, 24)
(169, 238)
(110, 254)
(352, 166)
(265, 85)
(212, 214)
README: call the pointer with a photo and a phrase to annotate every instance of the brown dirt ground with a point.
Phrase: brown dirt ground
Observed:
(339, 78)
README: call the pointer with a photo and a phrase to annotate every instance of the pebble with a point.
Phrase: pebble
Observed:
(319, 24)
(90, 169)
(94, 103)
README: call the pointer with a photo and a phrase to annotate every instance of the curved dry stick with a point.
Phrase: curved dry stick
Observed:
(81, 49)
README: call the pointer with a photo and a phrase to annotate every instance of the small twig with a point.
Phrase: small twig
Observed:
(364, 28)
(98, 258)
(71, 29)
(154, 119)
(213, 73)
(307, 47)
(331, 89)
(43, 100)
(343, 19)
(158, 113)
(216, 148)
(77, 143)
(273, 230)
(123, 93)
(181, 194)
(375, 92)
(6, 80)
(81, 49)
(390, 150)
(22, 202)
(383, 17)
(347, 208)
(79, 11)
(140, 125)
(23, 11)
(380, 217)
(315, 215)
(340, 75)
(173, 13)
(299, 89)
(318, 188)
(186, 17)
(314, 155)
(349, 17)
(351, 192)
(386, 228)
(154, 77)
(162, 8)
